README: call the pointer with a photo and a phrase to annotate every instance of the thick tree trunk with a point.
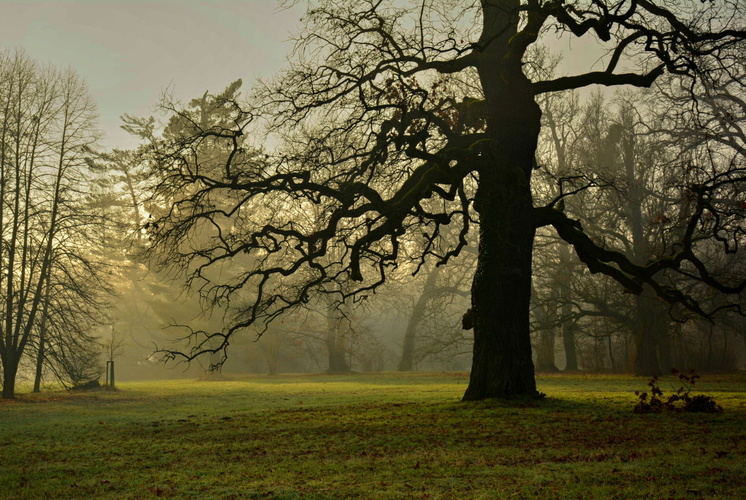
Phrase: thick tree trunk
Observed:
(568, 342)
(651, 346)
(501, 291)
(10, 370)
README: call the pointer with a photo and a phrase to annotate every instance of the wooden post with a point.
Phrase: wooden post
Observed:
(110, 374)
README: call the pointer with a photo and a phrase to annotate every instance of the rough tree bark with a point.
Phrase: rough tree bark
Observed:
(501, 292)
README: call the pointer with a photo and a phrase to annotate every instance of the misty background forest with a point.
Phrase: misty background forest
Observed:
(340, 216)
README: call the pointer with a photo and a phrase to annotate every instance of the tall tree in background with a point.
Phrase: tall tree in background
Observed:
(387, 104)
(48, 276)
(438, 300)
(559, 175)
(637, 205)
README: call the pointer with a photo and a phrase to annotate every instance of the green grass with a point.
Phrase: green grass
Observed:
(370, 436)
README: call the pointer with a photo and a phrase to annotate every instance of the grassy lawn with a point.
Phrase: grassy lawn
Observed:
(370, 436)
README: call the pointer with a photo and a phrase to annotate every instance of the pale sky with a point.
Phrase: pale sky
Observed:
(130, 51)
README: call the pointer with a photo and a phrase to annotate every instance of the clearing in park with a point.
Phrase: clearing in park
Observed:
(371, 436)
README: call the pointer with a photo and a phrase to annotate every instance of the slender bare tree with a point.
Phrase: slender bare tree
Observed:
(47, 124)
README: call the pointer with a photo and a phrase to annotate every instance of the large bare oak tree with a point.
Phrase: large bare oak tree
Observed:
(398, 119)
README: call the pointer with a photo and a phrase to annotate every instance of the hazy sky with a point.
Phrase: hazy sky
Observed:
(129, 51)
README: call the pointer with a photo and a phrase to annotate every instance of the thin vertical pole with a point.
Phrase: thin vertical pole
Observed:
(110, 374)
